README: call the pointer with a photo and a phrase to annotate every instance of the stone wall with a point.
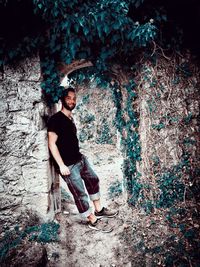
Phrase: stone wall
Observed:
(25, 177)
(169, 109)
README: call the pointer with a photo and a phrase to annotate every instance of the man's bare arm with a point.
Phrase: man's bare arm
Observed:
(52, 138)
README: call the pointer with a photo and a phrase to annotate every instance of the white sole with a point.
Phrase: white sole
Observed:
(103, 216)
(101, 230)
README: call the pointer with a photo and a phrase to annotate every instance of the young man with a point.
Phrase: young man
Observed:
(74, 166)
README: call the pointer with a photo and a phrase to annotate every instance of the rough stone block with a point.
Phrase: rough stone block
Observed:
(15, 147)
(2, 186)
(39, 116)
(14, 104)
(29, 92)
(16, 187)
(11, 171)
(18, 127)
(8, 202)
(40, 149)
(35, 178)
(39, 204)
(27, 69)
(3, 106)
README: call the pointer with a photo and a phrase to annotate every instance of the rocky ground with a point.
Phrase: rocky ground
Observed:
(149, 239)
(162, 237)
(80, 246)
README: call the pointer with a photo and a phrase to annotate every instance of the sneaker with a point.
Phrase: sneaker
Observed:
(100, 226)
(105, 212)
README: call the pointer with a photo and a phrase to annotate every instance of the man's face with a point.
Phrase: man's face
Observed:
(70, 101)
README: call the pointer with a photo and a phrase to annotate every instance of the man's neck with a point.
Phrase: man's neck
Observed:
(67, 112)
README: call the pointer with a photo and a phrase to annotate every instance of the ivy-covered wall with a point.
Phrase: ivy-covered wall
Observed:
(160, 139)
(158, 118)
(154, 105)
(169, 117)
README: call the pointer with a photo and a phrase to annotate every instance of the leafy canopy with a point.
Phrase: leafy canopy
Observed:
(100, 31)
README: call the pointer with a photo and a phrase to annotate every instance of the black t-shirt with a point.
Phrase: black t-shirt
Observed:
(67, 141)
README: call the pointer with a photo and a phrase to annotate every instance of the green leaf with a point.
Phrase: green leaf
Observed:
(40, 6)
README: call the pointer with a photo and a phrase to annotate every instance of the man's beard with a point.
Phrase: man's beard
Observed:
(68, 107)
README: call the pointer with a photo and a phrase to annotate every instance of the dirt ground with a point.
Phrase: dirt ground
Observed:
(139, 238)
(79, 245)
(163, 237)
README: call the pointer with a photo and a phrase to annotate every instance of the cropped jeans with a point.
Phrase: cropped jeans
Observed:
(82, 176)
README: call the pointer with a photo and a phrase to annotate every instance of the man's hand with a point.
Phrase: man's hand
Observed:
(64, 170)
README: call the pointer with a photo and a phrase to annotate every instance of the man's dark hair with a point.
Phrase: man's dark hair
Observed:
(65, 93)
